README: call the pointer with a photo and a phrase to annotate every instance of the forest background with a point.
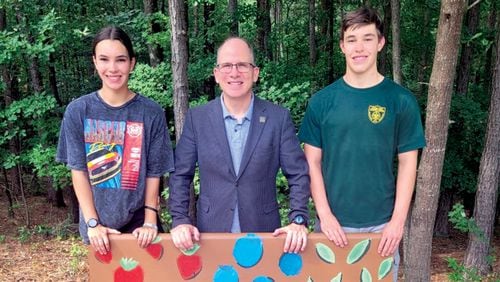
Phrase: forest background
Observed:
(445, 52)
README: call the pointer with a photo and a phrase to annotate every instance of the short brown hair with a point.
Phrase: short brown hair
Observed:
(360, 17)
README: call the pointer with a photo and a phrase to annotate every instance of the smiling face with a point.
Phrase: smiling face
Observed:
(360, 45)
(235, 84)
(113, 65)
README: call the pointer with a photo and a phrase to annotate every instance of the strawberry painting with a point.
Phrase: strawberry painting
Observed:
(129, 271)
(189, 264)
(106, 258)
(155, 249)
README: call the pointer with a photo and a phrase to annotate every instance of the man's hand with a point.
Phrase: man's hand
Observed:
(333, 231)
(391, 236)
(296, 237)
(183, 235)
(98, 237)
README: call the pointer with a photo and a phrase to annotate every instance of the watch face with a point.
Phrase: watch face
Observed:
(92, 223)
(298, 220)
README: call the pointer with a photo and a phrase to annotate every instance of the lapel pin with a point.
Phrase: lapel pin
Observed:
(262, 119)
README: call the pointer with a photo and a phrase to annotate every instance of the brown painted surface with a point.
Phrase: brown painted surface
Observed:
(217, 249)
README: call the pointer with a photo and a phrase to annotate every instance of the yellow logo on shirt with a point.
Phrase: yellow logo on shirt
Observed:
(376, 113)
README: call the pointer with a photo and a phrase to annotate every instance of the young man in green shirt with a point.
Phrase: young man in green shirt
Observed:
(352, 130)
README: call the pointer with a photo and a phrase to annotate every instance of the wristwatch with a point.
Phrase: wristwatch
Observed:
(92, 223)
(299, 220)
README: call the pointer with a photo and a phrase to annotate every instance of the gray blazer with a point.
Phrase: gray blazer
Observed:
(271, 144)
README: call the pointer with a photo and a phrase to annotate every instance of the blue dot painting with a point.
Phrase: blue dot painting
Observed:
(290, 264)
(248, 250)
(226, 273)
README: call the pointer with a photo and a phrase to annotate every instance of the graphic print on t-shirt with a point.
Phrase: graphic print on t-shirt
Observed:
(113, 151)
(376, 113)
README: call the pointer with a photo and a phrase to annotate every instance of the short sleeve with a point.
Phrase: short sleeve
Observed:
(71, 144)
(160, 155)
(410, 130)
(310, 129)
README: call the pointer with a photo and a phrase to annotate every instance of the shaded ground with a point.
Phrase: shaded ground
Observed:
(51, 250)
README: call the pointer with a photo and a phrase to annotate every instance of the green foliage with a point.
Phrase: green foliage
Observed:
(153, 83)
(461, 273)
(2, 239)
(465, 142)
(291, 96)
(78, 254)
(461, 222)
(24, 234)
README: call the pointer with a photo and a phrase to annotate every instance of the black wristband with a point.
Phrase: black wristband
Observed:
(151, 208)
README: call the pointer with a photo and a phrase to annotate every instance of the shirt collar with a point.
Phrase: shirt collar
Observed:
(226, 113)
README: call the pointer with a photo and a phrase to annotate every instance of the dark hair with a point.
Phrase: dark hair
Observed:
(242, 39)
(360, 17)
(114, 33)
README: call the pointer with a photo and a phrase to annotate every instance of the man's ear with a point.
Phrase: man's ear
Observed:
(381, 43)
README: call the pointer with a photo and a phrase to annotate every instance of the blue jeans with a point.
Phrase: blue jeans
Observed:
(370, 229)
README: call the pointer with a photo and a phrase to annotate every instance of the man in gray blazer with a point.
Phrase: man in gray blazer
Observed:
(239, 143)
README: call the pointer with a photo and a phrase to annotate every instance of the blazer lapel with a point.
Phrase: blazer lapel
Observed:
(219, 131)
(257, 125)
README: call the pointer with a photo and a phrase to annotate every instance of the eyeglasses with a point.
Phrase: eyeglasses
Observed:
(240, 67)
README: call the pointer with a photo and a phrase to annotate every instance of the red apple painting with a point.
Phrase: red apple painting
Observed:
(129, 271)
(155, 249)
(106, 258)
(189, 264)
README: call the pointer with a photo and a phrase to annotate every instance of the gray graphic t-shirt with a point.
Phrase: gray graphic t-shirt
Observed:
(119, 147)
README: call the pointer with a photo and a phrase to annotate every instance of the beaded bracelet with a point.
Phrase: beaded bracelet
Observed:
(151, 208)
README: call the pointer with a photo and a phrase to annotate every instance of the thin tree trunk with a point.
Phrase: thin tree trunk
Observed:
(464, 67)
(10, 209)
(53, 80)
(327, 31)
(313, 52)
(424, 56)
(263, 23)
(232, 8)
(278, 20)
(209, 83)
(479, 248)
(180, 56)
(155, 51)
(442, 226)
(179, 46)
(396, 46)
(417, 261)
(382, 62)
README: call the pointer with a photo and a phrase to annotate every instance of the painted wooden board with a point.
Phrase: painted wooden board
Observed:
(224, 257)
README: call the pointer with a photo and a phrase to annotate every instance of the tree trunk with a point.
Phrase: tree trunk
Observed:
(478, 249)
(209, 83)
(442, 226)
(464, 67)
(53, 80)
(178, 22)
(263, 23)
(180, 56)
(313, 52)
(278, 20)
(155, 51)
(382, 62)
(327, 32)
(424, 56)
(396, 46)
(232, 8)
(417, 261)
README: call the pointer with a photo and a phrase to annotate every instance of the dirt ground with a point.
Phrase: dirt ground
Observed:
(38, 254)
